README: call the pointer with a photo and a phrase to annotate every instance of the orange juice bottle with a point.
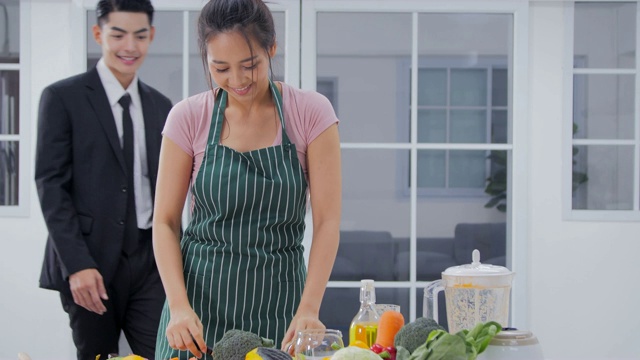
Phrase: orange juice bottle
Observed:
(364, 326)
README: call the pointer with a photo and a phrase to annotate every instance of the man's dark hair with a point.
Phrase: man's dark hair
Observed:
(105, 7)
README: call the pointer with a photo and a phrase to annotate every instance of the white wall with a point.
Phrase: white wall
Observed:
(583, 275)
(583, 287)
(32, 319)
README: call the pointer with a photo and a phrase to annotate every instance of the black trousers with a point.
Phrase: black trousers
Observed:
(136, 298)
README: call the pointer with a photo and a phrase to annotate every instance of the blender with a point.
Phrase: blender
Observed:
(473, 292)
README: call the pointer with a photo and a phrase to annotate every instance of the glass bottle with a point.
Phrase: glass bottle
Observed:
(364, 326)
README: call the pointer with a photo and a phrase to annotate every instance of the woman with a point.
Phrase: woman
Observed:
(252, 150)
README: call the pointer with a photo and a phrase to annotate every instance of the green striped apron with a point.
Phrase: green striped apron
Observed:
(242, 251)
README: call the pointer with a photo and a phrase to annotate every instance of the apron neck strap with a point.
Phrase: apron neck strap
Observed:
(217, 117)
(277, 99)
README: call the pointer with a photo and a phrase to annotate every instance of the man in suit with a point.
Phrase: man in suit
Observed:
(97, 154)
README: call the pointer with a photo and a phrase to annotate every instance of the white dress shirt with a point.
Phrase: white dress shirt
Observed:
(141, 182)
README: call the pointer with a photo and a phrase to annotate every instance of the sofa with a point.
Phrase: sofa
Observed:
(378, 255)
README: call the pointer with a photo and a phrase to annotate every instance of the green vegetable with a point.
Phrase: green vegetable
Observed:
(336, 346)
(415, 333)
(235, 344)
(355, 353)
(464, 345)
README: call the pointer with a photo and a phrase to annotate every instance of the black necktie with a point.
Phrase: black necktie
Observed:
(131, 222)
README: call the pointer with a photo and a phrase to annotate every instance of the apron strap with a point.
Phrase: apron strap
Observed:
(277, 98)
(217, 117)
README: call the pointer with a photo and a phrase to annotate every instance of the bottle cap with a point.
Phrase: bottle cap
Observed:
(367, 291)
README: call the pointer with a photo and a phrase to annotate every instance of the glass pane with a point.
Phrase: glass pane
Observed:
(278, 61)
(467, 169)
(432, 126)
(448, 231)
(499, 126)
(432, 169)
(468, 87)
(340, 305)
(9, 102)
(475, 49)
(9, 171)
(454, 169)
(198, 73)
(468, 126)
(360, 52)
(499, 87)
(375, 212)
(603, 106)
(9, 31)
(609, 178)
(605, 34)
(162, 68)
(432, 87)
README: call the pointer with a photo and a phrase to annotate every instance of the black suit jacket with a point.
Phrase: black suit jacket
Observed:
(81, 178)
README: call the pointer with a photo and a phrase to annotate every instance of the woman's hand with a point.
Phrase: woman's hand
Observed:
(301, 321)
(184, 331)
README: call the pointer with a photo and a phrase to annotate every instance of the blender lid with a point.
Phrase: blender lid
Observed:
(476, 268)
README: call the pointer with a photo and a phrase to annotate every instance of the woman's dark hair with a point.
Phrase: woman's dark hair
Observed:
(105, 7)
(251, 18)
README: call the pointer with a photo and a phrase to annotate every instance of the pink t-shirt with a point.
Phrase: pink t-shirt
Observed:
(307, 114)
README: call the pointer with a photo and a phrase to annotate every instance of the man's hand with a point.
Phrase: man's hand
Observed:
(88, 290)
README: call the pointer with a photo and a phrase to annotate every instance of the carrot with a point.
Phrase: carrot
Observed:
(388, 326)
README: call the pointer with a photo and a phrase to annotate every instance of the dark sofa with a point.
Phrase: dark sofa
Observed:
(378, 255)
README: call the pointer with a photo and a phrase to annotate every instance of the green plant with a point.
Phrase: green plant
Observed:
(497, 183)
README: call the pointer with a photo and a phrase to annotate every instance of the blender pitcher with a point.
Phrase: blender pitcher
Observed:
(474, 293)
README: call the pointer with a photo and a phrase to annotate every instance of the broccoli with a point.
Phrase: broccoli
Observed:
(414, 334)
(235, 344)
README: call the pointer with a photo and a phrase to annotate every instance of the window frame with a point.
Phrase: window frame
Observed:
(24, 136)
(569, 142)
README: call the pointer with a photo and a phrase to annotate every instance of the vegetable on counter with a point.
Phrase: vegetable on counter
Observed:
(463, 345)
(355, 353)
(235, 344)
(388, 326)
(388, 352)
(263, 353)
(414, 334)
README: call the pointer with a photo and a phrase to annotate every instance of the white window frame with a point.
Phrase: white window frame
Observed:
(25, 180)
(517, 227)
(569, 213)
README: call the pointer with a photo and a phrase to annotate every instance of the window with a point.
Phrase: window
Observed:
(12, 128)
(603, 179)
(423, 111)
(458, 103)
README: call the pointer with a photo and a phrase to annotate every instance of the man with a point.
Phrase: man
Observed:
(97, 156)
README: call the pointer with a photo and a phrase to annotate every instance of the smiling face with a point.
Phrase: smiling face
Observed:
(124, 38)
(243, 74)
